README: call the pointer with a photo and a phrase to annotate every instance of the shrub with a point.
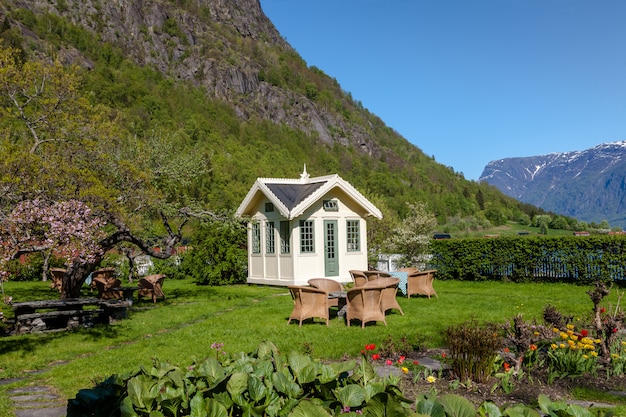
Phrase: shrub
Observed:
(473, 350)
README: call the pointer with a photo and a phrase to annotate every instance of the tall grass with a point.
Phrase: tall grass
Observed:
(183, 327)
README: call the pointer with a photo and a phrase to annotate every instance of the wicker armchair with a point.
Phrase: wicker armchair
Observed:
(108, 289)
(103, 274)
(358, 277)
(308, 302)
(390, 290)
(56, 278)
(328, 285)
(374, 274)
(420, 282)
(364, 304)
(151, 286)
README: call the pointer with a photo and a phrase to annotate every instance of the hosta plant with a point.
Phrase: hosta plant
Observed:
(264, 383)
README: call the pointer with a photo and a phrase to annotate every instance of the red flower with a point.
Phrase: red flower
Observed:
(507, 367)
(375, 356)
(416, 362)
(402, 358)
(506, 350)
(443, 355)
(602, 310)
(584, 333)
(614, 329)
(370, 347)
(388, 362)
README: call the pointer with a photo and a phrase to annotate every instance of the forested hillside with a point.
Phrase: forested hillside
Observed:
(199, 98)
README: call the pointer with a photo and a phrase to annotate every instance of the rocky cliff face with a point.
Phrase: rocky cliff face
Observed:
(221, 45)
(589, 185)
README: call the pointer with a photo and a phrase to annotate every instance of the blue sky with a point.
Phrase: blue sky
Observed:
(471, 81)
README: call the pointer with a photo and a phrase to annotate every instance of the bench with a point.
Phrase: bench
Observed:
(69, 314)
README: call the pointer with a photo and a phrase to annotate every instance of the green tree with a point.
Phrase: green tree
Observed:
(412, 237)
(61, 147)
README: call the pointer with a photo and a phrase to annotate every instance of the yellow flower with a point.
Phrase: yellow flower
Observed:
(564, 335)
(614, 355)
(562, 345)
(405, 370)
(556, 330)
(536, 333)
(570, 326)
(585, 357)
(597, 341)
(571, 334)
(554, 346)
(623, 343)
(571, 343)
(594, 353)
(431, 379)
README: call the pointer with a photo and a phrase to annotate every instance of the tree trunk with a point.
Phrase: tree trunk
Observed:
(74, 278)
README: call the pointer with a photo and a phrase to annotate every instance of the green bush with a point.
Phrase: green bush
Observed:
(580, 258)
(217, 256)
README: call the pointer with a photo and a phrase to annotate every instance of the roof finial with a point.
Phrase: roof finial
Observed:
(305, 175)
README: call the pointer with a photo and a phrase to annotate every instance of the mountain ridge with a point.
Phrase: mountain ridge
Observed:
(589, 185)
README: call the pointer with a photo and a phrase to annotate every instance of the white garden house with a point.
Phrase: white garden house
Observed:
(305, 228)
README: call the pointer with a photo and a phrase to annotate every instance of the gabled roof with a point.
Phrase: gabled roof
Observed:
(292, 197)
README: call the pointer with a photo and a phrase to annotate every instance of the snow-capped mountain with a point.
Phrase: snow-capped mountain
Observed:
(589, 185)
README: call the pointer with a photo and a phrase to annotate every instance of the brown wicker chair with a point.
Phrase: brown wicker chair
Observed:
(108, 289)
(420, 282)
(374, 274)
(56, 278)
(308, 302)
(103, 274)
(364, 304)
(328, 285)
(151, 286)
(390, 290)
(358, 277)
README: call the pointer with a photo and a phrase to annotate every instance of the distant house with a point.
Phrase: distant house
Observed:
(305, 228)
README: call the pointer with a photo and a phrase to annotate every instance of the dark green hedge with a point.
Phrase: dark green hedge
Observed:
(575, 258)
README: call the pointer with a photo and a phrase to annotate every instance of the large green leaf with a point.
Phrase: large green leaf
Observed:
(303, 367)
(263, 368)
(138, 392)
(520, 411)
(549, 407)
(212, 370)
(214, 409)
(457, 406)
(284, 384)
(352, 395)
(307, 408)
(237, 384)
(266, 349)
(431, 407)
(489, 409)
(126, 408)
(256, 388)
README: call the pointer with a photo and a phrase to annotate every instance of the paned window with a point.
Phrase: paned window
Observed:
(285, 237)
(354, 235)
(330, 205)
(270, 237)
(256, 238)
(307, 243)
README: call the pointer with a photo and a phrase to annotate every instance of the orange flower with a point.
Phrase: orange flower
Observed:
(506, 349)
(507, 367)
(533, 347)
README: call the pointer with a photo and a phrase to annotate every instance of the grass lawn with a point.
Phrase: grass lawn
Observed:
(183, 327)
